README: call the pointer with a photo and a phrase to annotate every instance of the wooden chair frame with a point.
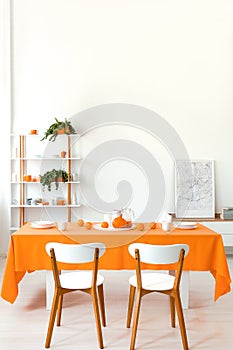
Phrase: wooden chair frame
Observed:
(174, 296)
(58, 299)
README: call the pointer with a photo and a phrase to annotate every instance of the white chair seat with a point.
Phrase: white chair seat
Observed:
(79, 280)
(154, 281)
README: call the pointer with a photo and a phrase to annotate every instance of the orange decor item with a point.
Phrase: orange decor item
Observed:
(63, 131)
(140, 227)
(119, 222)
(28, 178)
(80, 222)
(33, 132)
(63, 154)
(60, 131)
(104, 224)
(153, 225)
(60, 201)
(88, 225)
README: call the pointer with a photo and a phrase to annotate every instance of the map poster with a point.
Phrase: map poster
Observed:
(195, 189)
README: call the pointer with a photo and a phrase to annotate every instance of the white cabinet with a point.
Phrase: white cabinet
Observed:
(31, 158)
(225, 228)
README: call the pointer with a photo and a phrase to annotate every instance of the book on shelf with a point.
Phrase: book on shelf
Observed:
(227, 213)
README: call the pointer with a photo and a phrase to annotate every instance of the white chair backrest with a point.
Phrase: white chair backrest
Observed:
(158, 254)
(75, 253)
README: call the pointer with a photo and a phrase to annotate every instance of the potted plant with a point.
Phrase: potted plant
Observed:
(58, 128)
(55, 176)
(62, 176)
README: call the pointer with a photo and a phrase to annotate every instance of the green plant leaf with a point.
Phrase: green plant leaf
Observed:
(51, 132)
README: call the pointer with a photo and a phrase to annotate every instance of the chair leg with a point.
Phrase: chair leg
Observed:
(172, 310)
(181, 321)
(102, 304)
(97, 317)
(52, 318)
(135, 321)
(59, 310)
(130, 305)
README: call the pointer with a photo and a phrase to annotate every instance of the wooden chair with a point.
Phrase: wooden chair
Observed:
(85, 281)
(148, 282)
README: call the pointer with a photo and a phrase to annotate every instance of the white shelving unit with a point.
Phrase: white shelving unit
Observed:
(31, 156)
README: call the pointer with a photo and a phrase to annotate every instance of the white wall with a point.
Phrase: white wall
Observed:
(5, 113)
(173, 57)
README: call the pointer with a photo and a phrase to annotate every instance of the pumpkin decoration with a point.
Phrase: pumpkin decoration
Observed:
(119, 222)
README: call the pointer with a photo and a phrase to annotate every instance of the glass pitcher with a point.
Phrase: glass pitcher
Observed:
(128, 214)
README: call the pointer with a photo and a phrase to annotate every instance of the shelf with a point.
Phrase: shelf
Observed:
(30, 157)
(37, 182)
(46, 206)
(46, 158)
(25, 182)
(41, 134)
(217, 218)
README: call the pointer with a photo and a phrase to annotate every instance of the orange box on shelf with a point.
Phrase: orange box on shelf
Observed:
(27, 178)
(60, 201)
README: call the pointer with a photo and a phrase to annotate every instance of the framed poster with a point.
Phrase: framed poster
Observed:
(195, 189)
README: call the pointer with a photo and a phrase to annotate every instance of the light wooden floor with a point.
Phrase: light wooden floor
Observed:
(209, 325)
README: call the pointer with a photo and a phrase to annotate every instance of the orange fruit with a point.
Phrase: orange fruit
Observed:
(104, 224)
(153, 225)
(80, 222)
(140, 227)
(88, 225)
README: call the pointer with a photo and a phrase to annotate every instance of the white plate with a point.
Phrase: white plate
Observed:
(98, 227)
(39, 226)
(42, 224)
(185, 225)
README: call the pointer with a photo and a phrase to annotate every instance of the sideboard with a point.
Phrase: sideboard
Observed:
(224, 227)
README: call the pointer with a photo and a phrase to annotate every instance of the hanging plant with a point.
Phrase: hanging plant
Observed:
(53, 176)
(59, 128)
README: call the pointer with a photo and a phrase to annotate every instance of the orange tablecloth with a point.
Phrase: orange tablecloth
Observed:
(27, 252)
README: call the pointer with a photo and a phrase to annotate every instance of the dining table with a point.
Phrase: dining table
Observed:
(27, 252)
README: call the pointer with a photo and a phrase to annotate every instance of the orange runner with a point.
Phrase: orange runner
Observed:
(27, 252)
